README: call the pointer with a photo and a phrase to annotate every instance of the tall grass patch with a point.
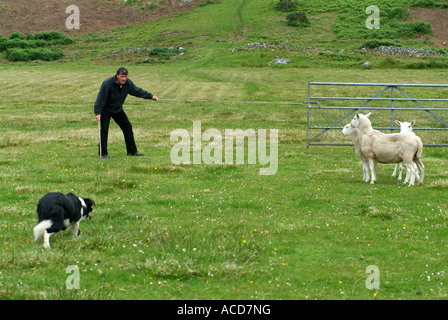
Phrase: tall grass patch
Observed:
(37, 46)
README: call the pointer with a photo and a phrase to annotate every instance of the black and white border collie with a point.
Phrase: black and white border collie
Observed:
(57, 212)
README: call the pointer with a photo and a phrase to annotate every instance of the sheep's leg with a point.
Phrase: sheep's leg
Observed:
(365, 171)
(395, 171)
(421, 167)
(417, 176)
(408, 175)
(412, 181)
(372, 165)
(400, 170)
(411, 169)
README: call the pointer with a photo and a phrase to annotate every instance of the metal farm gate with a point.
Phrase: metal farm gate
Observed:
(331, 105)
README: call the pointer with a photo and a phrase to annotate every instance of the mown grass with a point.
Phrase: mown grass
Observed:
(201, 231)
(164, 231)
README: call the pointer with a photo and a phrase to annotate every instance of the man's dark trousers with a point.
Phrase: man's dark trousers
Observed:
(125, 125)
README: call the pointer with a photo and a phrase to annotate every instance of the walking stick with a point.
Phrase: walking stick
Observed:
(99, 138)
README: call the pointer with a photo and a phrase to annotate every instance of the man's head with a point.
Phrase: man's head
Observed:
(122, 75)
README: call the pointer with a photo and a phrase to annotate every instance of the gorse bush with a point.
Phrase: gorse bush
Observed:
(20, 47)
(164, 53)
(54, 37)
(16, 35)
(45, 54)
(23, 44)
(372, 44)
(429, 4)
(17, 55)
(397, 13)
(297, 19)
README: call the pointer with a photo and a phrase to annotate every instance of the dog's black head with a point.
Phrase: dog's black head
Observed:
(87, 208)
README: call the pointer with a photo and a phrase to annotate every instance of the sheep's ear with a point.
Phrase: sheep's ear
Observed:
(368, 115)
(398, 122)
(412, 122)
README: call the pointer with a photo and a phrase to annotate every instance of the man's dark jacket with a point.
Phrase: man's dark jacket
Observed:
(111, 97)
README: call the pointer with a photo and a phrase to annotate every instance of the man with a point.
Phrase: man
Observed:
(109, 104)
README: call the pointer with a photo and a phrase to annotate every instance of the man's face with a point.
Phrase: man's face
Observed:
(121, 78)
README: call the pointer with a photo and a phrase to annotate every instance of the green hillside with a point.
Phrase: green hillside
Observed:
(252, 33)
(226, 33)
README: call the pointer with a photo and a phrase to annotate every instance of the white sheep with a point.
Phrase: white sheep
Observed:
(404, 127)
(389, 148)
(354, 134)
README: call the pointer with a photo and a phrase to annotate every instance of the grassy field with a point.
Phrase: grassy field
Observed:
(200, 231)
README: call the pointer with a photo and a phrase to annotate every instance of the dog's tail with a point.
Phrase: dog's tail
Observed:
(40, 228)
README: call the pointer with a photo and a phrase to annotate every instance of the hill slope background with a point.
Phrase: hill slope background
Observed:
(30, 16)
(110, 27)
